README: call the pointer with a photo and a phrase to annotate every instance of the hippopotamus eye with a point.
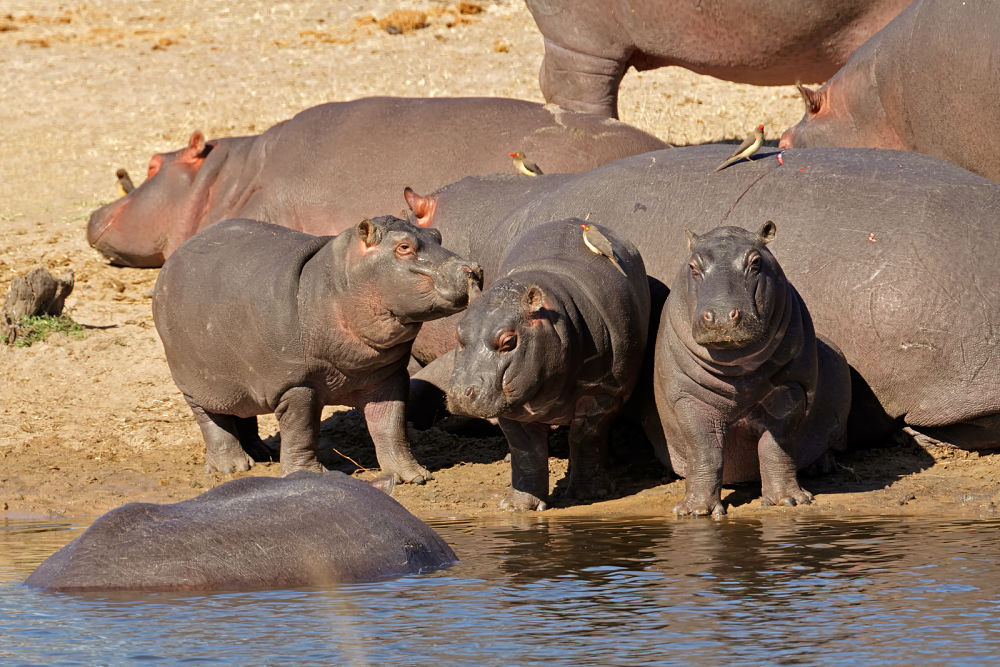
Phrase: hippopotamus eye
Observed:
(506, 341)
(694, 269)
(753, 263)
(404, 249)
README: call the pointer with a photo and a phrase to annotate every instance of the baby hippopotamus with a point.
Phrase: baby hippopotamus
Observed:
(557, 338)
(742, 385)
(257, 319)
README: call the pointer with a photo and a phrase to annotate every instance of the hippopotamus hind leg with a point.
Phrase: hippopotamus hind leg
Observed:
(529, 465)
(223, 451)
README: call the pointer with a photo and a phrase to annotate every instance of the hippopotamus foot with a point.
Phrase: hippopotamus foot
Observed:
(695, 506)
(591, 485)
(522, 501)
(223, 451)
(779, 484)
(789, 497)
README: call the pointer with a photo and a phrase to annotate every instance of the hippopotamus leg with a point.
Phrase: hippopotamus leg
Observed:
(428, 391)
(703, 453)
(588, 445)
(223, 451)
(581, 81)
(385, 414)
(782, 410)
(529, 465)
(299, 412)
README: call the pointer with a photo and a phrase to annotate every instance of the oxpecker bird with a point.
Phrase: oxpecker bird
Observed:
(749, 146)
(524, 165)
(124, 183)
(600, 245)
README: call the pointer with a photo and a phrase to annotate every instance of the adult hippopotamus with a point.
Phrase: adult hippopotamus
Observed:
(743, 388)
(893, 251)
(556, 339)
(331, 165)
(590, 43)
(927, 82)
(257, 318)
(307, 529)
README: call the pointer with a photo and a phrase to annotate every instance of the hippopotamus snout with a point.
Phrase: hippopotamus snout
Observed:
(725, 323)
(456, 280)
(475, 392)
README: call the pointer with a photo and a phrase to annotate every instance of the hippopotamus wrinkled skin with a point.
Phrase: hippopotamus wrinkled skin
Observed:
(334, 164)
(557, 338)
(743, 387)
(589, 44)
(307, 529)
(893, 251)
(927, 82)
(257, 318)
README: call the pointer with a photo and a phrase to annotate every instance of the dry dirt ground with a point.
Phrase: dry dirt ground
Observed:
(89, 86)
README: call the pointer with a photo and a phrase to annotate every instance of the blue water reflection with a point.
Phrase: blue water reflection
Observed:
(532, 590)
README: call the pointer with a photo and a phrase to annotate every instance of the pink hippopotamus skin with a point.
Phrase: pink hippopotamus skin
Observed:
(589, 44)
(332, 165)
(927, 82)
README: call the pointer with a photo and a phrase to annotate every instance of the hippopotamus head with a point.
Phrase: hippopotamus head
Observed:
(142, 228)
(732, 279)
(406, 271)
(508, 347)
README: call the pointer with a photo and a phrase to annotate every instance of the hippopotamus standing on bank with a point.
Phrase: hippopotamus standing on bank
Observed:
(557, 338)
(743, 388)
(893, 251)
(307, 529)
(257, 318)
(334, 164)
(590, 43)
(927, 82)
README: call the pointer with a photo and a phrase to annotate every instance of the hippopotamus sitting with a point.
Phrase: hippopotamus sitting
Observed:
(893, 251)
(307, 529)
(331, 165)
(557, 338)
(742, 385)
(590, 43)
(927, 82)
(257, 318)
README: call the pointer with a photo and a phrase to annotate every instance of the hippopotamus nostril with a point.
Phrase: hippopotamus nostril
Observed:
(734, 315)
(471, 392)
(707, 316)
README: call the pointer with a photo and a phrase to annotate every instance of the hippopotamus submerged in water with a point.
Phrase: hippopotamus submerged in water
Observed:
(307, 529)
(557, 338)
(257, 319)
(927, 82)
(334, 164)
(589, 44)
(893, 251)
(743, 388)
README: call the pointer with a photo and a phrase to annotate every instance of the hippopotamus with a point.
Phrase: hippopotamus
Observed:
(892, 250)
(306, 529)
(256, 318)
(557, 338)
(926, 82)
(743, 388)
(590, 43)
(331, 165)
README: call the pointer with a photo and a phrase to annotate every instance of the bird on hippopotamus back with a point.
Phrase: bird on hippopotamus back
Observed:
(589, 44)
(926, 83)
(334, 164)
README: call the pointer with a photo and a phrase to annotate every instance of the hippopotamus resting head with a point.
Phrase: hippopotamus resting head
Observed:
(733, 282)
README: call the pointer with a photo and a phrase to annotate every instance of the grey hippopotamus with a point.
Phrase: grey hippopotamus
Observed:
(893, 251)
(257, 318)
(743, 387)
(927, 82)
(589, 44)
(307, 529)
(334, 164)
(557, 338)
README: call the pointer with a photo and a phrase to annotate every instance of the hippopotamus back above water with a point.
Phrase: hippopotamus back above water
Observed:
(743, 388)
(258, 319)
(307, 529)
(334, 164)
(927, 82)
(589, 44)
(893, 252)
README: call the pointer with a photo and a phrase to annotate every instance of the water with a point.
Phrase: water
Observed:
(531, 590)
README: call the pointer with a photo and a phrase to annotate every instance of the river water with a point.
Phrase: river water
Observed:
(781, 590)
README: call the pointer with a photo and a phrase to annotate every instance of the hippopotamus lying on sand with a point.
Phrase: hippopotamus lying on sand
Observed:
(590, 43)
(927, 82)
(742, 384)
(334, 164)
(257, 318)
(557, 338)
(893, 251)
(307, 529)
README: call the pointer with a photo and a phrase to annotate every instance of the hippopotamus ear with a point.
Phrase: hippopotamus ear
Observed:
(691, 238)
(533, 299)
(810, 97)
(767, 232)
(422, 207)
(196, 144)
(369, 232)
